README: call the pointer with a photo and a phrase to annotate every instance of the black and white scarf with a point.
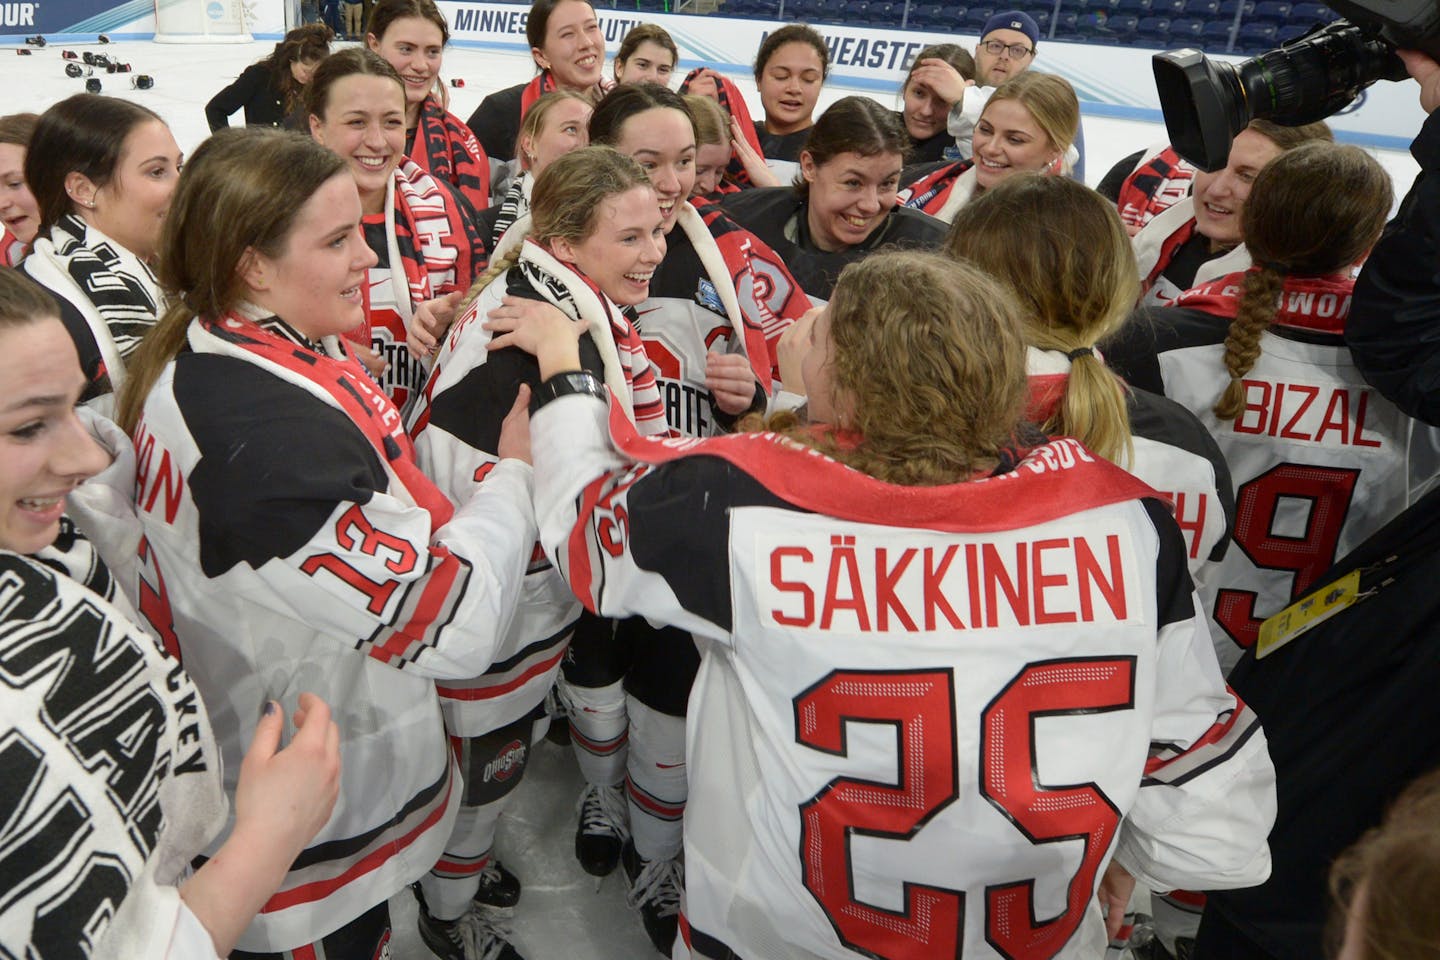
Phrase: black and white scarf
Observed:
(111, 287)
(515, 205)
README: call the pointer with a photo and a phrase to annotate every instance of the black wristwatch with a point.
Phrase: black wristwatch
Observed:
(562, 384)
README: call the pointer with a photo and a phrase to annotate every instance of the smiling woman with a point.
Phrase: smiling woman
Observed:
(569, 51)
(19, 213)
(303, 549)
(102, 171)
(843, 207)
(411, 36)
(421, 230)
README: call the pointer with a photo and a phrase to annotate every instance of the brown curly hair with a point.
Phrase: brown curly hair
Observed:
(1313, 211)
(928, 357)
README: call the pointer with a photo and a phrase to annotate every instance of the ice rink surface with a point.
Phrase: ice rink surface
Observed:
(564, 913)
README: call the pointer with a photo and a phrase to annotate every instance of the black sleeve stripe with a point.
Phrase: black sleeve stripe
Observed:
(1174, 591)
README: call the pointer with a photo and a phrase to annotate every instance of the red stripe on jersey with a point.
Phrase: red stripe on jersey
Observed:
(685, 930)
(440, 582)
(499, 689)
(306, 952)
(581, 576)
(1218, 731)
(320, 889)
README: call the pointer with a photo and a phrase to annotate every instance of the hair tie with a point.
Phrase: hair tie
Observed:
(1079, 352)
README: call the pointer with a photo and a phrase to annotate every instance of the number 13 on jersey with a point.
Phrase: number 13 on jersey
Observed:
(920, 706)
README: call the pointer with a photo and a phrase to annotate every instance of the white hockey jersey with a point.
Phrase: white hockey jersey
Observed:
(109, 776)
(926, 717)
(1319, 460)
(292, 545)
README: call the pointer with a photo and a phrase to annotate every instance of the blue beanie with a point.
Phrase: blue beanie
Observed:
(1013, 20)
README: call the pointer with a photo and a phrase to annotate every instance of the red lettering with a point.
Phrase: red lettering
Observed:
(842, 553)
(885, 581)
(1042, 581)
(1310, 394)
(1090, 578)
(1241, 423)
(1337, 417)
(613, 530)
(166, 476)
(972, 580)
(1192, 527)
(1360, 439)
(1279, 404)
(1015, 590)
(370, 542)
(934, 596)
(807, 596)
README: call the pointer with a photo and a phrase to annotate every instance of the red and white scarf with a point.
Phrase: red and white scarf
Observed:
(334, 375)
(446, 148)
(1156, 245)
(1321, 304)
(732, 101)
(1157, 184)
(942, 192)
(628, 372)
(544, 83)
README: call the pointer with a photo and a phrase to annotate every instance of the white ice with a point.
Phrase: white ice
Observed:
(564, 913)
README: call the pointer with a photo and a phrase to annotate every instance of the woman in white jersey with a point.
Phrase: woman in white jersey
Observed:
(1319, 460)
(917, 641)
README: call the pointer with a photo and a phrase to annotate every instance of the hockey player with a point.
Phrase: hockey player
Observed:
(712, 300)
(647, 55)
(411, 35)
(790, 67)
(102, 170)
(423, 233)
(112, 778)
(589, 246)
(19, 213)
(569, 51)
(1319, 460)
(843, 208)
(291, 543)
(1065, 257)
(916, 642)
(1027, 125)
(1187, 245)
(745, 166)
(558, 122)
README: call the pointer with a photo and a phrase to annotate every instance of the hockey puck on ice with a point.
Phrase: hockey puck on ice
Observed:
(92, 85)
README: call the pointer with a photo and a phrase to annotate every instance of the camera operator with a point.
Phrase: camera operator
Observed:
(1394, 328)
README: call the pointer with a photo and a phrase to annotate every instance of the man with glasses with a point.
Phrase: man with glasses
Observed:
(1006, 49)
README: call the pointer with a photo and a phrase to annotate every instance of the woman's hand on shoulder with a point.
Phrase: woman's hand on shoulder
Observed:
(540, 329)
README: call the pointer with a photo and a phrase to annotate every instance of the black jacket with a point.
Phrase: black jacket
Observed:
(1351, 717)
(770, 212)
(496, 122)
(1394, 327)
(255, 91)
